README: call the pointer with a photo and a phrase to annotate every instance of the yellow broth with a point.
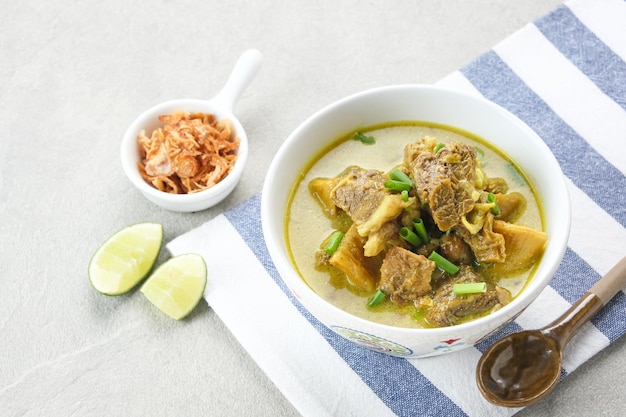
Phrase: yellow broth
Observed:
(307, 224)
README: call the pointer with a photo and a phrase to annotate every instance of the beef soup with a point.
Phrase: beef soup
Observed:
(414, 225)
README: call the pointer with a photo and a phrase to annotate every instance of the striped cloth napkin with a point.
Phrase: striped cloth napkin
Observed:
(565, 76)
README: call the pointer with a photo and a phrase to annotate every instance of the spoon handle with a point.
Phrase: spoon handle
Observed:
(568, 324)
(244, 71)
(611, 282)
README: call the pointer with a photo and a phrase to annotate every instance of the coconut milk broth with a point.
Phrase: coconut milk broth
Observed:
(308, 226)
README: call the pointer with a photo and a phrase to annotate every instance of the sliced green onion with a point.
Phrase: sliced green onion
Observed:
(491, 198)
(469, 288)
(443, 263)
(399, 182)
(438, 147)
(398, 175)
(399, 186)
(408, 235)
(376, 299)
(418, 223)
(368, 140)
(333, 242)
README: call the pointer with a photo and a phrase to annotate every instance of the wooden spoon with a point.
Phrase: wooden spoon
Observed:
(523, 367)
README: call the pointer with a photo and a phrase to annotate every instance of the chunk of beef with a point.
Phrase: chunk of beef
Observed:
(359, 193)
(444, 180)
(426, 144)
(487, 245)
(404, 275)
(449, 309)
(377, 241)
(363, 196)
(455, 249)
(390, 207)
(350, 259)
(382, 225)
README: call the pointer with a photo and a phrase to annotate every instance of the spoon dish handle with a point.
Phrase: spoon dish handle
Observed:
(612, 282)
(244, 71)
(568, 324)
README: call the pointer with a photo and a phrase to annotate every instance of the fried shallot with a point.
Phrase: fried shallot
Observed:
(189, 153)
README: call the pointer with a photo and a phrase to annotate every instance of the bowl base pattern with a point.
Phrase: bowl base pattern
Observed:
(373, 342)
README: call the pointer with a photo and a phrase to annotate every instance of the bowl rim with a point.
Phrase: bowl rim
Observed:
(557, 245)
(129, 152)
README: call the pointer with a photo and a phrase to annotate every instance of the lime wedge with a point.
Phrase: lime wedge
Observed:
(176, 287)
(125, 258)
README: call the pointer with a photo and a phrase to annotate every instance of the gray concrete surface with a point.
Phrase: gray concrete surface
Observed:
(73, 75)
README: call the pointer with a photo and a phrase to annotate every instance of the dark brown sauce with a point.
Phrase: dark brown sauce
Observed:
(520, 364)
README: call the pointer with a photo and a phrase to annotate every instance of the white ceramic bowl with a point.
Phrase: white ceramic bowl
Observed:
(219, 106)
(201, 200)
(431, 104)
